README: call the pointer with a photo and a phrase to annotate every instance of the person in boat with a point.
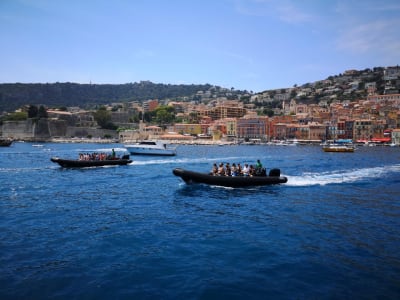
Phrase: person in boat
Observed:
(214, 170)
(228, 170)
(221, 170)
(112, 153)
(246, 170)
(259, 164)
(259, 170)
(239, 169)
(252, 171)
(234, 170)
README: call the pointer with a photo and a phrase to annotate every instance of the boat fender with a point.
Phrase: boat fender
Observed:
(275, 172)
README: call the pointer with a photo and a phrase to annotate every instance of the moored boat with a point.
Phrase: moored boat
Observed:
(5, 142)
(187, 176)
(338, 148)
(147, 147)
(86, 163)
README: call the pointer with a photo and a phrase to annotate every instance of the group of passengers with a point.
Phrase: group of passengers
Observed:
(97, 156)
(237, 170)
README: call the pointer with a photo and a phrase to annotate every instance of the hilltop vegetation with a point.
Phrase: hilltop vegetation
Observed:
(13, 96)
(351, 85)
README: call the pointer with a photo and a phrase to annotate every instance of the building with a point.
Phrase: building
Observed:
(253, 128)
(363, 130)
(226, 109)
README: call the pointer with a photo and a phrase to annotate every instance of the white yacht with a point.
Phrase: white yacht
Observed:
(148, 147)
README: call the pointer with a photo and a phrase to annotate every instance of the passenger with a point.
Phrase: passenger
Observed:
(228, 170)
(221, 170)
(259, 164)
(234, 170)
(214, 170)
(113, 154)
(239, 169)
(246, 170)
(252, 171)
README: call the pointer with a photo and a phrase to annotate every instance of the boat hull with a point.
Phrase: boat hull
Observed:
(147, 151)
(148, 147)
(227, 181)
(75, 163)
(338, 149)
(5, 142)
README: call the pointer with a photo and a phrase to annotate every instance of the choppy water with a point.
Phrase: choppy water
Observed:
(137, 231)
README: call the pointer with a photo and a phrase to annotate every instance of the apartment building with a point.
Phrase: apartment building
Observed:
(254, 128)
(227, 109)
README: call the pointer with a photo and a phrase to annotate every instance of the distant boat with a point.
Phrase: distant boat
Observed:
(87, 163)
(338, 148)
(147, 147)
(5, 142)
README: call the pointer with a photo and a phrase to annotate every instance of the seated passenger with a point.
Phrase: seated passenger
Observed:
(252, 171)
(234, 170)
(246, 170)
(214, 170)
(239, 169)
(228, 170)
(221, 170)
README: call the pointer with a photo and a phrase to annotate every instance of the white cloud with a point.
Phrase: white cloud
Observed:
(378, 36)
(291, 14)
(285, 11)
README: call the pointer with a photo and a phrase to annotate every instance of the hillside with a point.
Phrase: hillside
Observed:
(351, 85)
(13, 96)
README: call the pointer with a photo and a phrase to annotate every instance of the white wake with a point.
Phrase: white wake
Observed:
(341, 176)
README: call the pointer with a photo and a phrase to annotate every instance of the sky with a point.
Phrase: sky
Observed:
(252, 45)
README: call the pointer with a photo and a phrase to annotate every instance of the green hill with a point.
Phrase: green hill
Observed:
(15, 95)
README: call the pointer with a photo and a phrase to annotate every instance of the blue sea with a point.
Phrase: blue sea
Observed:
(139, 232)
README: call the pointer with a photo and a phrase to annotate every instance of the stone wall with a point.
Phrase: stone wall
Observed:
(46, 129)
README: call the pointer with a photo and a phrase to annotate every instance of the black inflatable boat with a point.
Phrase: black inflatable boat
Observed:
(77, 163)
(274, 177)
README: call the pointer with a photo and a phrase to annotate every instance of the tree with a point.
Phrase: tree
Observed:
(42, 112)
(164, 114)
(103, 118)
(32, 111)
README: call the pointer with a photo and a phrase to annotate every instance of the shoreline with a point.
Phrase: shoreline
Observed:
(199, 142)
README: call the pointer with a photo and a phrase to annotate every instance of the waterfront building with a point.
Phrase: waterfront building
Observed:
(255, 128)
(396, 137)
(317, 131)
(363, 130)
(191, 129)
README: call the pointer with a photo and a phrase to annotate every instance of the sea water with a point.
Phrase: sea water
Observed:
(139, 232)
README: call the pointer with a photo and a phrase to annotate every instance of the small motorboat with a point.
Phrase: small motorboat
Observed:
(274, 177)
(147, 147)
(5, 142)
(338, 148)
(83, 163)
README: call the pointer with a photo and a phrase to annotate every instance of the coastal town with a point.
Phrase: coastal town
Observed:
(357, 105)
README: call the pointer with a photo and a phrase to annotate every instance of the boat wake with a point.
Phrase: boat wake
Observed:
(339, 176)
(184, 161)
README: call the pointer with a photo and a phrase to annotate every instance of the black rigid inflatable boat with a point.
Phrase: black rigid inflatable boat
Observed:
(274, 177)
(78, 163)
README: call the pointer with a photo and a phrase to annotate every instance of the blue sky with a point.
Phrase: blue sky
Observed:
(251, 45)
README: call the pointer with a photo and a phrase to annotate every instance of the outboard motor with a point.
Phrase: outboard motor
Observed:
(126, 156)
(275, 172)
